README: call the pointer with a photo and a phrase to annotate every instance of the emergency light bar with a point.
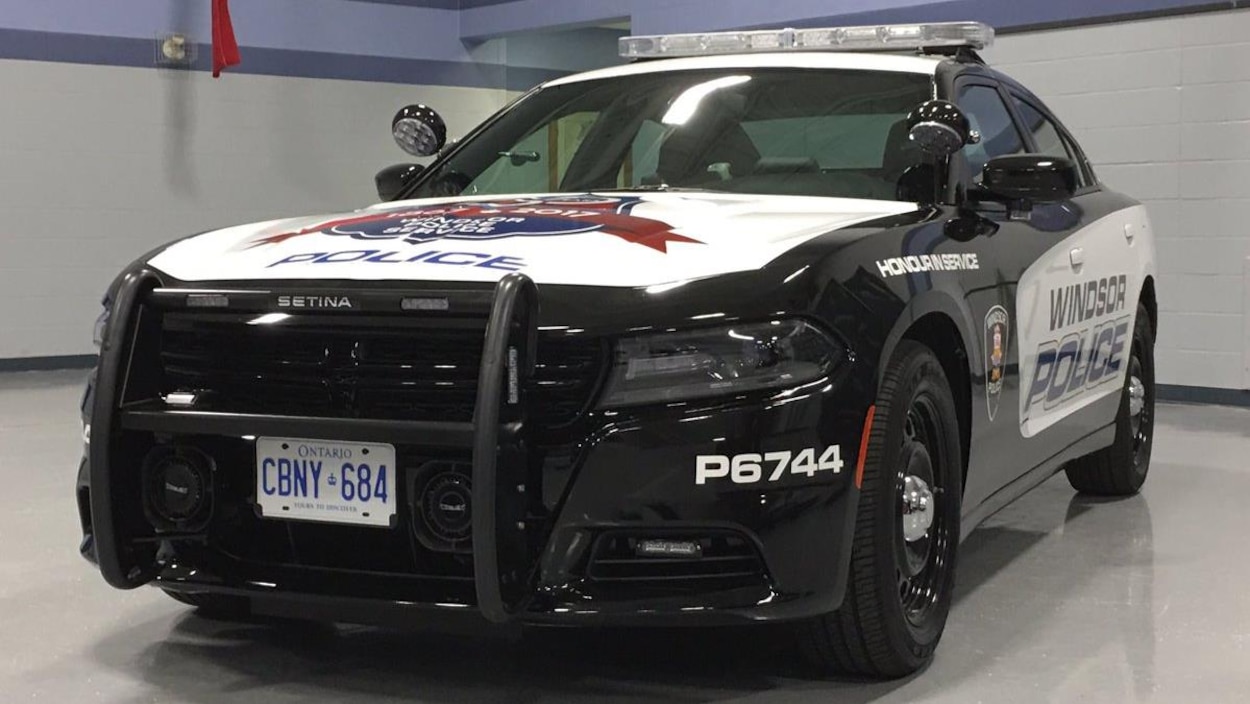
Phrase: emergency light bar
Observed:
(890, 37)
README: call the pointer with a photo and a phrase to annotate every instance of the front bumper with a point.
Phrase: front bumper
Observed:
(560, 551)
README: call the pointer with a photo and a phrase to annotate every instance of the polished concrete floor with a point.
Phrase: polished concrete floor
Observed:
(1060, 599)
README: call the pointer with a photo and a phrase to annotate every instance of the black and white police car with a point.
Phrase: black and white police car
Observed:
(757, 327)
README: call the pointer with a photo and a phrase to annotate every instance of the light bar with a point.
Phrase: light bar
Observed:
(890, 37)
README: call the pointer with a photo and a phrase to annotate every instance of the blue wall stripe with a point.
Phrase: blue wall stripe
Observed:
(141, 53)
(47, 364)
(1204, 395)
(76, 48)
(338, 26)
(469, 4)
(432, 4)
(440, 4)
(651, 17)
(1025, 15)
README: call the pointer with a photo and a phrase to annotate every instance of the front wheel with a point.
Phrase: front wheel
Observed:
(902, 570)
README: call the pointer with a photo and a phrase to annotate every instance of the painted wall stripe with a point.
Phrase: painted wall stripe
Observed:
(1203, 395)
(1020, 17)
(470, 4)
(338, 26)
(439, 4)
(431, 4)
(48, 364)
(140, 53)
(704, 15)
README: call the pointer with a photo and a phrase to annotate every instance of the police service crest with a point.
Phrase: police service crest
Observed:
(477, 221)
(997, 338)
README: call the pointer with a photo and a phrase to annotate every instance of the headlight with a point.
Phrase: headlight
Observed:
(102, 323)
(718, 361)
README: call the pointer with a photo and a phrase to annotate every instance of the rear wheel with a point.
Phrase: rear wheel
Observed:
(1120, 470)
(902, 569)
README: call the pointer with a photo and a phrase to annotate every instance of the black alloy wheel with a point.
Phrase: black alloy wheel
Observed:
(922, 542)
(1120, 470)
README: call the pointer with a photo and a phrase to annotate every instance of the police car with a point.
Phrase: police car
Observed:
(757, 327)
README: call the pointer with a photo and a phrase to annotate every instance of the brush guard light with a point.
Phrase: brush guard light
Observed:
(895, 37)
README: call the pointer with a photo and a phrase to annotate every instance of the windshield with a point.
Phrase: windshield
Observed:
(764, 131)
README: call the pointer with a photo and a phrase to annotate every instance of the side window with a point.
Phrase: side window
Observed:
(989, 116)
(1050, 141)
(1088, 177)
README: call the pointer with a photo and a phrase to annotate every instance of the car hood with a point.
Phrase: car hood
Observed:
(587, 239)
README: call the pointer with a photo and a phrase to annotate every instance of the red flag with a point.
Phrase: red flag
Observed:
(225, 48)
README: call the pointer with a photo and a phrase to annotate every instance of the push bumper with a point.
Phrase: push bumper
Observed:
(633, 480)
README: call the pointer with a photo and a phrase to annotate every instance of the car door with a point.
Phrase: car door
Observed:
(1076, 300)
(1048, 356)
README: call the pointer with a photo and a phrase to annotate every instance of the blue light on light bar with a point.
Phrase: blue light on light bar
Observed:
(893, 37)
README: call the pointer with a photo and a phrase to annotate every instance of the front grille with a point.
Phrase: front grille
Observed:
(725, 560)
(377, 368)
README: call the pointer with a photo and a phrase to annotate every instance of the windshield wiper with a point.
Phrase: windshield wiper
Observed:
(522, 158)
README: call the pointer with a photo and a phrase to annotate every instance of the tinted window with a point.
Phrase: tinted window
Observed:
(1050, 141)
(1088, 177)
(1045, 134)
(989, 116)
(766, 131)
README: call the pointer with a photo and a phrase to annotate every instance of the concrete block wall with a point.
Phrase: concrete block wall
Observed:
(99, 164)
(1163, 108)
(103, 158)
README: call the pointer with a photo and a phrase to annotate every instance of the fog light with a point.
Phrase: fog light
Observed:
(177, 488)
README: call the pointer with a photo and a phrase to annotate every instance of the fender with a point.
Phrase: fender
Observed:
(935, 301)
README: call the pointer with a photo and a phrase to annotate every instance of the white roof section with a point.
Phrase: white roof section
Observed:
(926, 65)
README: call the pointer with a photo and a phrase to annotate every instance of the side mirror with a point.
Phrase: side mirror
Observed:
(940, 128)
(419, 130)
(392, 180)
(1030, 178)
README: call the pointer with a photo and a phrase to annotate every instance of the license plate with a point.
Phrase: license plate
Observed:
(328, 482)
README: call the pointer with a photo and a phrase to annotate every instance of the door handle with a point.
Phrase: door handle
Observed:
(1077, 257)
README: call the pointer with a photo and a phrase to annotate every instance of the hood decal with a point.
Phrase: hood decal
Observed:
(522, 217)
(575, 239)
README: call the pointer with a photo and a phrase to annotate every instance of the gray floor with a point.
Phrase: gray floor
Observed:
(1060, 600)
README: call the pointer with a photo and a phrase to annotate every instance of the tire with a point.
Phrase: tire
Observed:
(1120, 470)
(898, 590)
(218, 606)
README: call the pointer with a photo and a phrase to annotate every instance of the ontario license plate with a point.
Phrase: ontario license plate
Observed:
(328, 482)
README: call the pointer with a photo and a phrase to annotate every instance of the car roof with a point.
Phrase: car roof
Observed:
(897, 63)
